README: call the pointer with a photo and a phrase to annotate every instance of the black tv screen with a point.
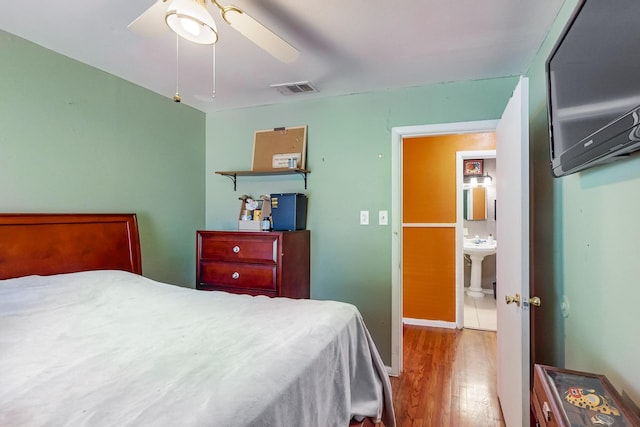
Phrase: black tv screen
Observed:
(593, 86)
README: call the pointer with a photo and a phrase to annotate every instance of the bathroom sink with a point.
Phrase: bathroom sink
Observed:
(477, 249)
(483, 248)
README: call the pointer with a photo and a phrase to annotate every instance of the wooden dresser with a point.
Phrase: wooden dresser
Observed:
(272, 263)
(566, 398)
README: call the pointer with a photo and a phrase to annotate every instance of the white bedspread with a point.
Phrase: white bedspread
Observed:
(116, 349)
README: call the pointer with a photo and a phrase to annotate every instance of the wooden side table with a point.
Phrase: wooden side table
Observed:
(566, 398)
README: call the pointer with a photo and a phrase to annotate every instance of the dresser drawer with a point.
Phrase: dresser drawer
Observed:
(238, 275)
(238, 247)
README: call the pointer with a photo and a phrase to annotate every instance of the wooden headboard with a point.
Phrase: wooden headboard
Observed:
(48, 244)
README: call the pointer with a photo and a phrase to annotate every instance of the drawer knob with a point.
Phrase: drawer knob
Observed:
(236, 249)
(546, 411)
(235, 275)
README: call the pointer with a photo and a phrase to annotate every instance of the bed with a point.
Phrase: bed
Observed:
(86, 340)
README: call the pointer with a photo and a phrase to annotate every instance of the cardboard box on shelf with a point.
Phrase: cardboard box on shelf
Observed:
(264, 206)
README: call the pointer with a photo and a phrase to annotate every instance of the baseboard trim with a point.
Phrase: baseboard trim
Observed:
(391, 372)
(431, 323)
(484, 290)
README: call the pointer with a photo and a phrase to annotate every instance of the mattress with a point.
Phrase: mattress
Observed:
(110, 348)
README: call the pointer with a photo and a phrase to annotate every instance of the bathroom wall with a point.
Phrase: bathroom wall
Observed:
(483, 229)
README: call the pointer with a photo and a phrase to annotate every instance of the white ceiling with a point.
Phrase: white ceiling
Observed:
(347, 46)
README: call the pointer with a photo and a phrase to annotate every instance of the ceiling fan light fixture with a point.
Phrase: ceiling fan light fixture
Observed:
(191, 20)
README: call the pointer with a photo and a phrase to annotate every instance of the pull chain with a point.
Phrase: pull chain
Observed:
(213, 72)
(176, 97)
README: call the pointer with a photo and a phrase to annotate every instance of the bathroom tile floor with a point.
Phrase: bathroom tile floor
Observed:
(480, 313)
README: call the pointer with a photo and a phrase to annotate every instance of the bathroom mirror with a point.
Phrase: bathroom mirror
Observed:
(475, 204)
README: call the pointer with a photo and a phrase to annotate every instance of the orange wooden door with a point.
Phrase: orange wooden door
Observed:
(429, 221)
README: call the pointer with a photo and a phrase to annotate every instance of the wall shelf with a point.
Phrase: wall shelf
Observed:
(233, 175)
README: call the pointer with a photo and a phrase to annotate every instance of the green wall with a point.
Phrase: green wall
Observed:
(591, 246)
(349, 155)
(76, 139)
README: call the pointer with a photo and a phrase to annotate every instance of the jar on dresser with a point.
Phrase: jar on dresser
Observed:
(275, 263)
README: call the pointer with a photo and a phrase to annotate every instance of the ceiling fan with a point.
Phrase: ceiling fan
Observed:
(191, 20)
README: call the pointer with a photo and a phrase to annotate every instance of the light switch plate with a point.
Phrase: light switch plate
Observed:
(364, 217)
(383, 217)
(565, 307)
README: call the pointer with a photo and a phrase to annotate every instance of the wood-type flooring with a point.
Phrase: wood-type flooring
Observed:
(448, 379)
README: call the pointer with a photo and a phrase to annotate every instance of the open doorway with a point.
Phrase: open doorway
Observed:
(476, 195)
(454, 223)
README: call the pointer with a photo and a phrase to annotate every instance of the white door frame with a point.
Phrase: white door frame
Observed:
(397, 134)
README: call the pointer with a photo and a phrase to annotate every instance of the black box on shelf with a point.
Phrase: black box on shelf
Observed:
(289, 211)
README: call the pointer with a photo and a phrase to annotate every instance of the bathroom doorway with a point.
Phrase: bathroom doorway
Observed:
(476, 195)
(449, 229)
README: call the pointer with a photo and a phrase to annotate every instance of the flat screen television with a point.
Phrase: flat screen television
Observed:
(593, 86)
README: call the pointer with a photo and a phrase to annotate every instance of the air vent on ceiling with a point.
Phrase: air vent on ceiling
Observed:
(294, 88)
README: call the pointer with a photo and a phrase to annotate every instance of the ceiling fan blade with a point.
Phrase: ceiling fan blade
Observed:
(151, 22)
(259, 34)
